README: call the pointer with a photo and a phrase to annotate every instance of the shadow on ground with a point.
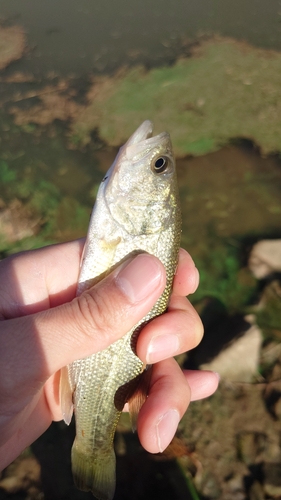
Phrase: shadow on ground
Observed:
(140, 476)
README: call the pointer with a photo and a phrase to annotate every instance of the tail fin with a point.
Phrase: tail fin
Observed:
(95, 473)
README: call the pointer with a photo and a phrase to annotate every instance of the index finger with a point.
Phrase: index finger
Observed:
(38, 279)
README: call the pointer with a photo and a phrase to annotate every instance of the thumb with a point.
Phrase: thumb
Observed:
(40, 344)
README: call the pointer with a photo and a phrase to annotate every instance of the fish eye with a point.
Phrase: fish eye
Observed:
(160, 164)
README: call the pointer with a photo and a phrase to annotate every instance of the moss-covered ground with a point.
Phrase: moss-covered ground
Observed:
(226, 89)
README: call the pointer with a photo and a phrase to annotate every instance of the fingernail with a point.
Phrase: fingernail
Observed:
(162, 347)
(166, 428)
(139, 277)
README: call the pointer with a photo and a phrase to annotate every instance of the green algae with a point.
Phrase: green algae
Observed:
(6, 174)
(46, 215)
(225, 90)
(222, 278)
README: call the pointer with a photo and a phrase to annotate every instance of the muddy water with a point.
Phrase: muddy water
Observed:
(70, 36)
(229, 195)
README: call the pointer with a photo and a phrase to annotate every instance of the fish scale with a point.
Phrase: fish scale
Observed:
(137, 210)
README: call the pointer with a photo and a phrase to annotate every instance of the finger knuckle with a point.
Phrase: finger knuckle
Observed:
(192, 321)
(94, 313)
(199, 331)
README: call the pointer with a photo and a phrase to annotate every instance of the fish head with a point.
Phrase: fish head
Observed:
(140, 188)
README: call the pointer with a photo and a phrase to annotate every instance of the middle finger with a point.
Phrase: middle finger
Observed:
(177, 331)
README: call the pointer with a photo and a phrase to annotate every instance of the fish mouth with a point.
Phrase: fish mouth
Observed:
(142, 140)
(143, 132)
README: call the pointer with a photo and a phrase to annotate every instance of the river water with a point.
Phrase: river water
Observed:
(87, 37)
(230, 198)
(68, 36)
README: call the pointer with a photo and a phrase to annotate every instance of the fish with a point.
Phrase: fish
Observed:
(137, 209)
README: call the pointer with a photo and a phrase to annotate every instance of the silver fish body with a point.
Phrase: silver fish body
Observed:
(136, 210)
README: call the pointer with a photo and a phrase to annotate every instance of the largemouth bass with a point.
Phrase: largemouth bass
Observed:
(136, 210)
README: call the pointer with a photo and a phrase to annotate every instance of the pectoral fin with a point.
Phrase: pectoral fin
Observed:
(139, 396)
(66, 396)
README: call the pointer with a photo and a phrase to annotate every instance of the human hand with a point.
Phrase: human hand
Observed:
(45, 327)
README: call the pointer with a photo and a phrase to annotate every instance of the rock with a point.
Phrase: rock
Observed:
(240, 360)
(12, 44)
(265, 258)
(270, 355)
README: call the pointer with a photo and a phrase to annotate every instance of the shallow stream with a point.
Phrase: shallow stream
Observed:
(230, 199)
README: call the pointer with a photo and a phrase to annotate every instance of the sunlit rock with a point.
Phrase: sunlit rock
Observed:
(240, 360)
(12, 44)
(265, 258)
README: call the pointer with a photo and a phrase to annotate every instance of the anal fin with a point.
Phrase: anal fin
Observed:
(139, 395)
